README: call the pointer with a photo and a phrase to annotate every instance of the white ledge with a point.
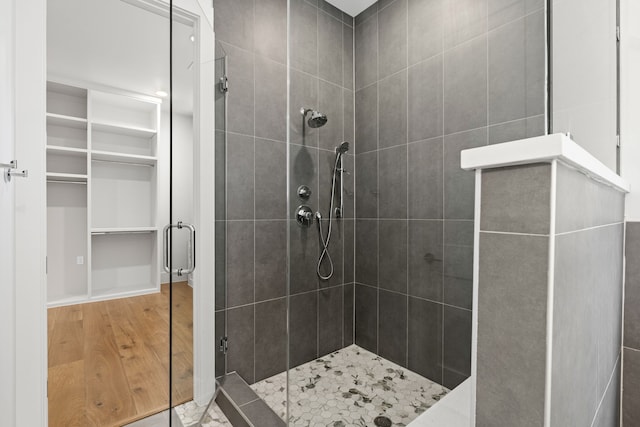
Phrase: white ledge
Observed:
(541, 149)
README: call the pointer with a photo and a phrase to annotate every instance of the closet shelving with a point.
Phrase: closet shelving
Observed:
(102, 194)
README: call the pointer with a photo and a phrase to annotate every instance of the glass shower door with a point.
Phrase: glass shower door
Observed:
(189, 232)
(107, 158)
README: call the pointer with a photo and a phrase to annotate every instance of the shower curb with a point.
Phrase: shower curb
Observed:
(242, 406)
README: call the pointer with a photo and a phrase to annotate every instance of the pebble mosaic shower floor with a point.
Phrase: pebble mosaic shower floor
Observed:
(348, 388)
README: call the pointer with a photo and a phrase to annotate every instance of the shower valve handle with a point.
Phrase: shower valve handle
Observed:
(304, 216)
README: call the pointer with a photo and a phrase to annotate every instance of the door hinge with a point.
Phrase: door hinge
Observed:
(618, 33)
(618, 140)
(224, 84)
(224, 345)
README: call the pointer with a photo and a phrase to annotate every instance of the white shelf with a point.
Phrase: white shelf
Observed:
(103, 238)
(67, 121)
(122, 230)
(66, 177)
(66, 101)
(123, 158)
(69, 151)
(139, 132)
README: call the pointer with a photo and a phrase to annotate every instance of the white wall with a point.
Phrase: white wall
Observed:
(183, 168)
(7, 319)
(630, 103)
(584, 74)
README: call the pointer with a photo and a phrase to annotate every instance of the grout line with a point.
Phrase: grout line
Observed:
(318, 173)
(444, 135)
(595, 227)
(355, 178)
(514, 233)
(330, 15)
(377, 82)
(416, 297)
(252, 303)
(247, 403)
(609, 383)
(380, 9)
(410, 219)
(259, 220)
(253, 136)
(235, 406)
(442, 288)
(406, 101)
(254, 197)
(288, 224)
(368, 18)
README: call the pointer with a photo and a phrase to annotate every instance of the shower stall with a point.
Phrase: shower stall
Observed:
(345, 293)
(344, 296)
(314, 157)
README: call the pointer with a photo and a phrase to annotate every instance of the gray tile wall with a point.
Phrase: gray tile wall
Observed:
(512, 303)
(252, 217)
(587, 301)
(432, 77)
(321, 77)
(631, 349)
(512, 295)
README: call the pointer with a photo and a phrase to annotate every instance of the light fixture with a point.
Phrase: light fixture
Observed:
(192, 38)
(162, 94)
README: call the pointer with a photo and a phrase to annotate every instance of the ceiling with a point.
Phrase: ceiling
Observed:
(352, 7)
(112, 43)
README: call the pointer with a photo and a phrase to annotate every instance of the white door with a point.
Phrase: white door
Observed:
(22, 203)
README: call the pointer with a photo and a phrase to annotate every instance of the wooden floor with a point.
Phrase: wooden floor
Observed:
(109, 361)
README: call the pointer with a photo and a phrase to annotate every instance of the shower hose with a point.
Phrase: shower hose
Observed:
(325, 243)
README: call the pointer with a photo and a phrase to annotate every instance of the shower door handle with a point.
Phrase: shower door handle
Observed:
(167, 248)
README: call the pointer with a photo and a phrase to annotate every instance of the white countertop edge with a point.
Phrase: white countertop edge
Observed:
(540, 149)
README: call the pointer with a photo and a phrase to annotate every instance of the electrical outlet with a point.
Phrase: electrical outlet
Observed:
(80, 260)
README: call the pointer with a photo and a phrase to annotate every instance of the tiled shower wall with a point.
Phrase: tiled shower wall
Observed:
(321, 77)
(252, 217)
(433, 77)
(631, 340)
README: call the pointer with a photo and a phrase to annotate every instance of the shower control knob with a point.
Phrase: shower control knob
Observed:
(304, 192)
(304, 216)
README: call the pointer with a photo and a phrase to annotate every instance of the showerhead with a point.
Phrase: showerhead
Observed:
(316, 120)
(343, 148)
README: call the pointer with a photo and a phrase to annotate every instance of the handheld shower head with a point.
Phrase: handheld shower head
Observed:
(343, 148)
(316, 120)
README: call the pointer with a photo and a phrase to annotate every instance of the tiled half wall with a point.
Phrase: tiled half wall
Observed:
(549, 249)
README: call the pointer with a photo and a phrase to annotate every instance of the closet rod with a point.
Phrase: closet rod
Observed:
(122, 163)
(58, 181)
